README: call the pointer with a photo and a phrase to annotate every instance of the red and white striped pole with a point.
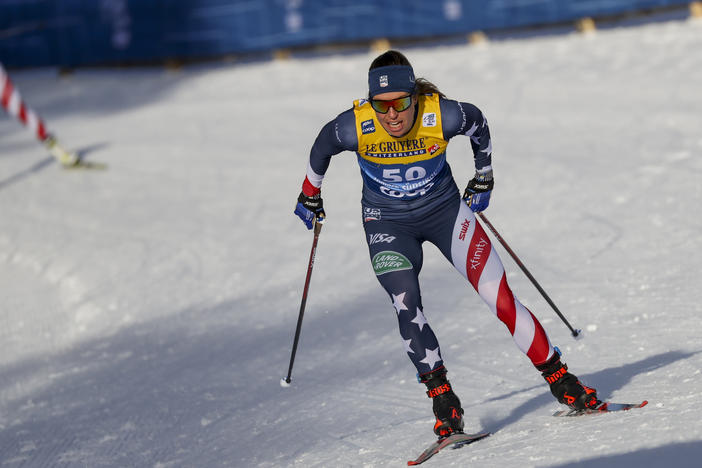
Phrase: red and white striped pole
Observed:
(12, 102)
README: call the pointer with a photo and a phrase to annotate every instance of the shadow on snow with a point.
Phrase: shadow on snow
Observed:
(612, 379)
(194, 389)
(680, 455)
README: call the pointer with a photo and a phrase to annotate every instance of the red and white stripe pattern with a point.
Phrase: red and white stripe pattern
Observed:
(12, 102)
(312, 184)
(473, 255)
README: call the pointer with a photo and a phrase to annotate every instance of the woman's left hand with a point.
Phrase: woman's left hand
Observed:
(477, 193)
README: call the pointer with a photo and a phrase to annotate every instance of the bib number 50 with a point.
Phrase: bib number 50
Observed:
(411, 174)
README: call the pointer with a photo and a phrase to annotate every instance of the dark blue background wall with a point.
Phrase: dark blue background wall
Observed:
(84, 32)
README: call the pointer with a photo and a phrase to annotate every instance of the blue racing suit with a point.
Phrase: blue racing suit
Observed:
(408, 197)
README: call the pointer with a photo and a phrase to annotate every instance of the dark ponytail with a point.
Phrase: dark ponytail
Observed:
(427, 87)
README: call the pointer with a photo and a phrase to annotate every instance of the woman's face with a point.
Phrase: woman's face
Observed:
(394, 122)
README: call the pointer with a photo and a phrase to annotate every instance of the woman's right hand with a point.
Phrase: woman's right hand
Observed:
(310, 208)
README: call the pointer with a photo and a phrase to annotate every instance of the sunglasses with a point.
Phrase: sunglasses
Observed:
(399, 104)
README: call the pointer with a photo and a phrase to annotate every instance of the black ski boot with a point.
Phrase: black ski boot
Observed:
(566, 387)
(446, 405)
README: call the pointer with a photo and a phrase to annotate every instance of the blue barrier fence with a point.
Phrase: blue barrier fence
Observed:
(72, 33)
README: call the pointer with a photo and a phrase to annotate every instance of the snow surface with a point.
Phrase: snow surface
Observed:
(148, 310)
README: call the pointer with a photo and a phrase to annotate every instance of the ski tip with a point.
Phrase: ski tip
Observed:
(643, 403)
(455, 441)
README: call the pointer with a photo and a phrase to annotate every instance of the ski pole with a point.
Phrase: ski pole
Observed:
(14, 105)
(285, 382)
(574, 332)
(12, 102)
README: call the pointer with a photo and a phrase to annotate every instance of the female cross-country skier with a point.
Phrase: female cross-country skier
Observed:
(400, 133)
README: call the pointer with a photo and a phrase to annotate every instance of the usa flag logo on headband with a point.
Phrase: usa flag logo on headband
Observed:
(383, 81)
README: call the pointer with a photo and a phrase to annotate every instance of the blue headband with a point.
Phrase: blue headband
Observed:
(391, 78)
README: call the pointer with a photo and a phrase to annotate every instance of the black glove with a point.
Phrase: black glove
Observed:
(309, 208)
(477, 193)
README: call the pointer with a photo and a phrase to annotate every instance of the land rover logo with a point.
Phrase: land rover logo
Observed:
(388, 261)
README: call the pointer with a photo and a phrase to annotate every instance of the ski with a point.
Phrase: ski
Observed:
(455, 440)
(69, 160)
(604, 407)
(82, 164)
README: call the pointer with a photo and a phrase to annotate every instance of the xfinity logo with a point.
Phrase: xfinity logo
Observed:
(476, 261)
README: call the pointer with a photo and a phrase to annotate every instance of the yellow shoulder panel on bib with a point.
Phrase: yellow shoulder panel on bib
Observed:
(424, 141)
